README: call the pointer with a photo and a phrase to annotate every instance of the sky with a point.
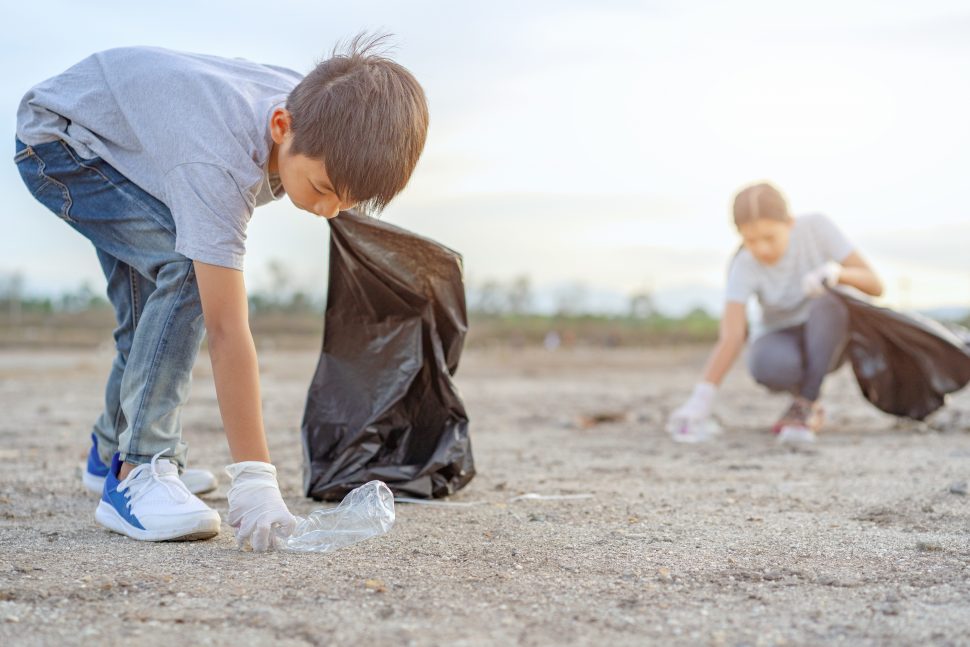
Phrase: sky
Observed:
(594, 144)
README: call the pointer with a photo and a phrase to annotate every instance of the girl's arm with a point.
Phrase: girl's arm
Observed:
(857, 273)
(734, 331)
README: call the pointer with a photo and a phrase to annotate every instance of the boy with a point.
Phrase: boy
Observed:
(159, 158)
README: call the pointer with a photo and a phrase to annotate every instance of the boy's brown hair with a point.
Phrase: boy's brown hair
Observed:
(365, 117)
(762, 200)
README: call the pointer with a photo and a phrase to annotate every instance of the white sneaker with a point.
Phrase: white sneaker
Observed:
(94, 473)
(796, 435)
(153, 504)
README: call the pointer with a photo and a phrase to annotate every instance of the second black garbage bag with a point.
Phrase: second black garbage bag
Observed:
(904, 364)
(382, 405)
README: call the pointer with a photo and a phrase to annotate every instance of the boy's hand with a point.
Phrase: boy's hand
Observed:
(256, 505)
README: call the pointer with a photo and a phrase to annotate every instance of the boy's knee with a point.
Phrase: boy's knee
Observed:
(175, 273)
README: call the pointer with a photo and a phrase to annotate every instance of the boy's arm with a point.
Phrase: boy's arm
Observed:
(234, 364)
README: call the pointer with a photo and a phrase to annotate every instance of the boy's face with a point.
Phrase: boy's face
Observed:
(766, 239)
(304, 179)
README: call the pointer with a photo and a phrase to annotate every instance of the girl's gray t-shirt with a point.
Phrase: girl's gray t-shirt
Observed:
(190, 129)
(814, 241)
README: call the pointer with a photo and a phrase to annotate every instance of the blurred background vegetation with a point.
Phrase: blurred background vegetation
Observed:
(500, 314)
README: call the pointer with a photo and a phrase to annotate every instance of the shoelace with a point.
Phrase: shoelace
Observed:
(174, 485)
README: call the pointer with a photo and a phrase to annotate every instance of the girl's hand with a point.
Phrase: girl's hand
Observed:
(815, 282)
(692, 422)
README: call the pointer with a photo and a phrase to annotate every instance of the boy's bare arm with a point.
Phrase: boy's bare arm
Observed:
(234, 364)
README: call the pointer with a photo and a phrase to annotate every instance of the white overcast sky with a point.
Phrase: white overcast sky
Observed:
(591, 142)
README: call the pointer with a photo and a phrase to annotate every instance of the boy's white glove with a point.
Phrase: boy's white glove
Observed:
(256, 507)
(692, 422)
(815, 282)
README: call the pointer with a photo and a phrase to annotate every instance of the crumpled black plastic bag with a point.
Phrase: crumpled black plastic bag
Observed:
(904, 364)
(382, 404)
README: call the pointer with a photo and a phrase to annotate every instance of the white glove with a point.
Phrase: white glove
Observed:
(692, 422)
(256, 508)
(815, 282)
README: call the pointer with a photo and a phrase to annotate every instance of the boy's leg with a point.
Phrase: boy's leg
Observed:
(127, 291)
(126, 223)
(157, 377)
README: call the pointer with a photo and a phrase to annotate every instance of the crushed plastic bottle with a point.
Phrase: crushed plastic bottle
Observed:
(694, 431)
(367, 511)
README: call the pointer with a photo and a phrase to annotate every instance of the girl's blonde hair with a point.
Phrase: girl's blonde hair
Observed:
(762, 200)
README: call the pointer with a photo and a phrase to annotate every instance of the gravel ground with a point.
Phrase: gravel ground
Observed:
(864, 539)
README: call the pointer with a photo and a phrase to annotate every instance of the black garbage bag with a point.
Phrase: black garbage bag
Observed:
(382, 404)
(904, 364)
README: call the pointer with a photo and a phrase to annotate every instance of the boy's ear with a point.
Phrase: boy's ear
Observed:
(279, 124)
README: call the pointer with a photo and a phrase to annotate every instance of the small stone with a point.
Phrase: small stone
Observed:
(959, 488)
(928, 546)
(377, 586)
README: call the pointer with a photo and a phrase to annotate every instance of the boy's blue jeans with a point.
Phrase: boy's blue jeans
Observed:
(152, 288)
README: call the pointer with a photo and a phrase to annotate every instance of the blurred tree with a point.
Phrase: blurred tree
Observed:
(279, 281)
(642, 305)
(489, 299)
(11, 295)
(571, 300)
(520, 296)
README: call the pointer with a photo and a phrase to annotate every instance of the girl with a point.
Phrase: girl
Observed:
(787, 263)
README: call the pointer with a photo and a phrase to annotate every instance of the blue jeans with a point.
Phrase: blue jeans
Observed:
(152, 288)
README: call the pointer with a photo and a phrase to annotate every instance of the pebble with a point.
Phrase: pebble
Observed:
(928, 546)
(959, 488)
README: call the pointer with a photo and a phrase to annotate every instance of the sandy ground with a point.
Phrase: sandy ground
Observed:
(740, 542)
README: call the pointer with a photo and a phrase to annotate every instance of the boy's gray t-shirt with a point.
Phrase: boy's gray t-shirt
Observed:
(814, 241)
(192, 130)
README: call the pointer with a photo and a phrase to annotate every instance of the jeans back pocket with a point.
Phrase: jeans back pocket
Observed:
(48, 191)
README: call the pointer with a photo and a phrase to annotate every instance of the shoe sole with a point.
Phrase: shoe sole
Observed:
(92, 483)
(95, 484)
(204, 527)
(796, 439)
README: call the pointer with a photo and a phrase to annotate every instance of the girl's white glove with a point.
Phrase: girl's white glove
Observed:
(815, 282)
(692, 422)
(256, 508)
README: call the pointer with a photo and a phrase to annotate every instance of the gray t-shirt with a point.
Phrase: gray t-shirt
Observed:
(190, 129)
(814, 241)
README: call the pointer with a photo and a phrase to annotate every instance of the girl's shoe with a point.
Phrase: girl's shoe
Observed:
(152, 504)
(198, 481)
(800, 423)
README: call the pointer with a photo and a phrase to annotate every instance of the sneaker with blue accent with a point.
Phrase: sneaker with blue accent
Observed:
(152, 504)
(198, 481)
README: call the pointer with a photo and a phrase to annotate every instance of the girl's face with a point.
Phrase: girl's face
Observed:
(766, 239)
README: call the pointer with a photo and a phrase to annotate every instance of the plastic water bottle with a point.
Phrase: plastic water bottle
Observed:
(365, 512)
(694, 431)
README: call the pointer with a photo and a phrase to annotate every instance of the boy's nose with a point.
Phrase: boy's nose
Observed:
(328, 209)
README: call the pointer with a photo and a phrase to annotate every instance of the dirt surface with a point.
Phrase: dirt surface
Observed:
(865, 539)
